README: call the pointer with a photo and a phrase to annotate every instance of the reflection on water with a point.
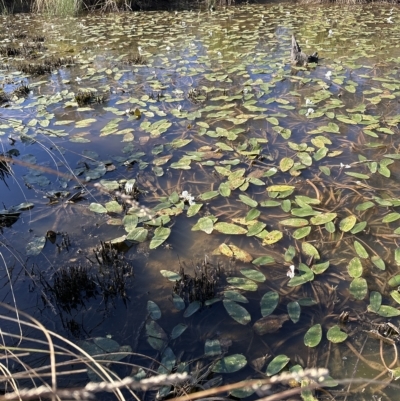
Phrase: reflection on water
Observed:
(214, 109)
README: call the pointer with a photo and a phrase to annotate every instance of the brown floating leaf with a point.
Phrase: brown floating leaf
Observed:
(269, 324)
(232, 251)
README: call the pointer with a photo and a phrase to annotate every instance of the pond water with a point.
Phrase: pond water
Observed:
(186, 140)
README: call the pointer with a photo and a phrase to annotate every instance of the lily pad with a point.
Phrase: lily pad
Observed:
(313, 336)
(335, 335)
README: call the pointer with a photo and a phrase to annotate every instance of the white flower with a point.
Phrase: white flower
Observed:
(219, 54)
(77, 79)
(187, 197)
(290, 272)
(345, 165)
(309, 111)
(168, 48)
(179, 108)
(330, 33)
(328, 74)
(308, 101)
(389, 20)
(210, 33)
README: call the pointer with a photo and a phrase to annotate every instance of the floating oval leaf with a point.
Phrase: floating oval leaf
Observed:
(301, 232)
(269, 302)
(286, 164)
(97, 208)
(272, 237)
(277, 364)
(359, 288)
(178, 302)
(361, 252)
(280, 188)
(388, 311)
(154, 310)
(335, 335)
(322, 218)
(378, 262)
(395, 295)
(237, 312)
(171, 276)
(235, 296)
(254, 275)
(212, 348)
(294, 311)
(35, 246)
(160, 235)
(138, 234)
(394, 281)
(310, 250)
(230, 364)
(178, 330)
(242, 283)
(355, 268)
(232, 251)
(263, 260)
(348, 223)
(313, 336)
(229, 228)
(294, 222)
(192, 308)
(375, 301)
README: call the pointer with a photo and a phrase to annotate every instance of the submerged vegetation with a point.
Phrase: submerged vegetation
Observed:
(159, 140)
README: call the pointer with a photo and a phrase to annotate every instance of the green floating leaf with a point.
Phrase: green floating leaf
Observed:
(320, 267)
(294, 311)
(310, 250)
(395, 294)
(361, 252)
(378, 262)
(301, 232)
(272, 237)
(280, 188)
(348, 223)
(248, 201)
(36, 246)
(192, 308)
(209, 195)
(230, 364)
(388, 311)
(277, 364)
(269, 302)
(237, 312)
(254, 275)
(357, 175)
(335, 335)
(113, 207)
(359, 227)
(178, 330)
(395, 281)
(242, 283)
(97, 208)
(205, 224)
(171, 276)
(194, 209)
(153, 310)
(138, 234)
(355, 268)
(389, 218)
(305, 275)
(160, 235)
(359, 288)
(375, 301)
(294, 222)
(322, 218)
(212, 348)
(229, 228)
(242, 392)
(263, 260)
(178, 302)
(313, 336)
(235, 296)
(286, 164)
(397, 256)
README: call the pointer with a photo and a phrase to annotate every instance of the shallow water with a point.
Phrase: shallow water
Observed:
(223, 87)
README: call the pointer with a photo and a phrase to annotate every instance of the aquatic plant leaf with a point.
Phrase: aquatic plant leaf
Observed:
(319, 268)
(263, 260)
(360, 250)
(310, 250)
(304, 212)
(294, 311)
(388, 311)
(322, 218)
(301, 232)
(290, 253)
(212, 301)
(347, 223)
(389, 218)
(294, 222)
(280, 188)
(307, 302)
(375, 301)
(232, 251)
(277, 364)
(394, 281)
(237, 312)
(252, 214)
(242, 283)
(34, 247)
(153, 310)
(178, 330)
(235, 296)
(313, 336)
(209, 195)
(365, 206)
(305, 275)
(335, 335)
(225, 189)
(230, 364)
(194, 209)
(212, 348)
(248, 201)
(272, 237)
(192, 308)
(254, 275)
(378, 262)
(160, 235)
(357, 175)
(97, 208)
(178, 302)
(171, 276)
(325, 170)
(153, 329)
(229, 228)
(256, 228)
(395, 294)
(286, 205)
(286, 164)
(248, 391)
(359, 288)
(269, 302)
(205, 224)
(359, 227)
(355, 268)
(113, 207)
(106, 344)
(130, 222)
(168, 361)
(270, 203)
(397, 256)
(138, 234)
